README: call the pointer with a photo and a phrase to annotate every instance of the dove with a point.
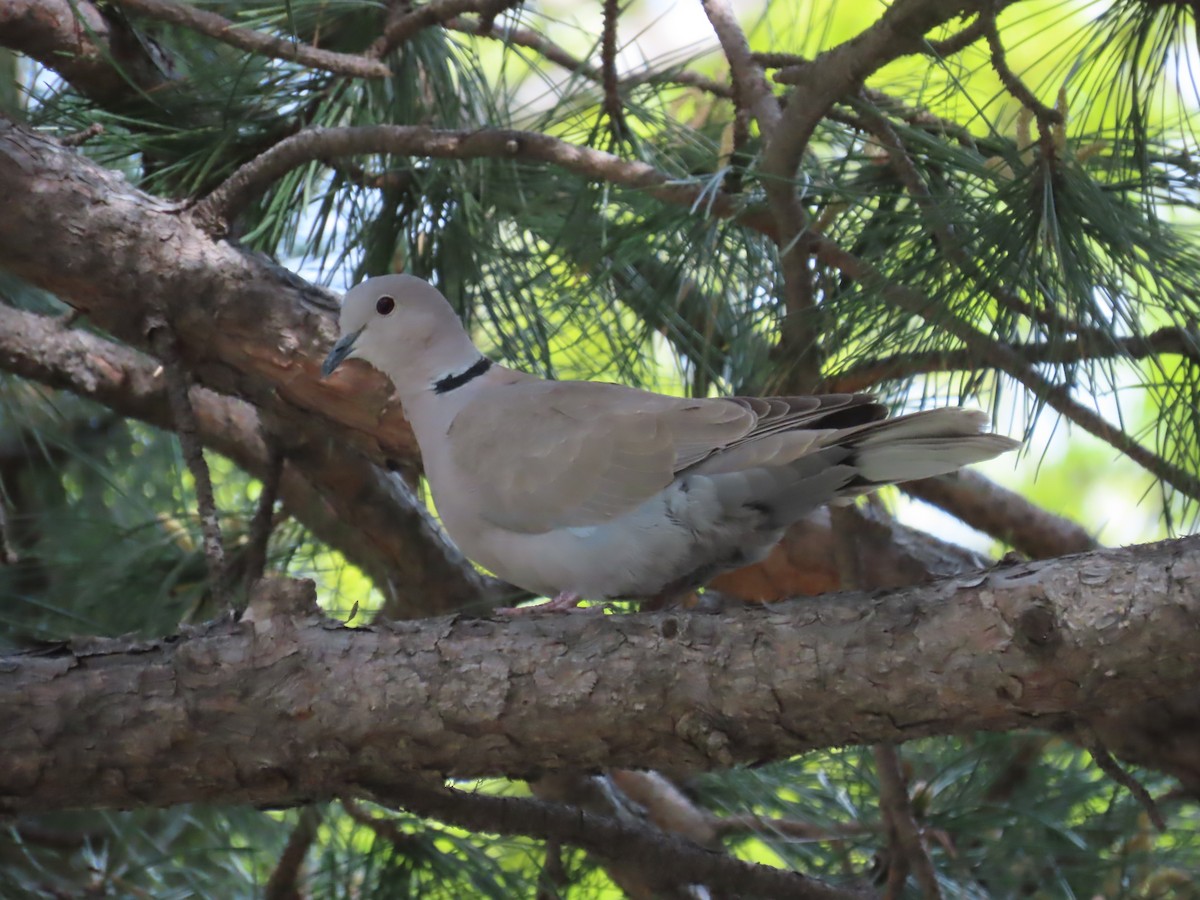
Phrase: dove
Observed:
(588, 490)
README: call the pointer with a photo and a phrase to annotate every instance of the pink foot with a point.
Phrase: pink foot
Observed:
(566, 601)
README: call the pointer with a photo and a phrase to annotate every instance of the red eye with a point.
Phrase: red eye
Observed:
(385, 305)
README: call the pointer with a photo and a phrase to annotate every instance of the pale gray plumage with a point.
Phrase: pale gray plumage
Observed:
(583, 489)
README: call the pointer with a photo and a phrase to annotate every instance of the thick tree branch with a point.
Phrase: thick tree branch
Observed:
(323, 710)
(219, 28)
(95, 51)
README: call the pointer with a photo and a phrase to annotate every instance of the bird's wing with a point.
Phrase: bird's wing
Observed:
(544, 455)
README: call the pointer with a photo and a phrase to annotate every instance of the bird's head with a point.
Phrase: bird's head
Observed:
(402, 326)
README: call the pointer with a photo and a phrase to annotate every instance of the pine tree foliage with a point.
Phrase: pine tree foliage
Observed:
(1033, 186)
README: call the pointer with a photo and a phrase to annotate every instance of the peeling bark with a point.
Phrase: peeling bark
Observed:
(287, 707)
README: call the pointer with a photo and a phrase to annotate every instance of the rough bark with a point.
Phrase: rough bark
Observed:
(287, 707)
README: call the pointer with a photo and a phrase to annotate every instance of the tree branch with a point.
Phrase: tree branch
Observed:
(284, 883)
(184, 418)
(313, 144)
(613, 106)
(542, 45)
(1166, 341)
(1003, 514)
(221, 29)
(95, 51)
(750, 89)
(323, 710)
(906, 848)
(1056, 396)
(665, 860)
(402, 27)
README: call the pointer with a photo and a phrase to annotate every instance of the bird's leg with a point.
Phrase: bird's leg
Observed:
(565, 601)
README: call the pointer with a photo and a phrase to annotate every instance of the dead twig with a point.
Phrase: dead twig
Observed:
(162, 338)
(284, 883)
(264, 516)
(906, 849)
(1090, 741)
(613, 107)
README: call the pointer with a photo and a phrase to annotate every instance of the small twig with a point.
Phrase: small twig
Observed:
(163, 341)
(613, 107)
(666, 859)
(904, 835)
(221, 29)
(1046, 116)
(750, 89)
(77, 138)
(540, 44)
(384, 828)
(749, 823)
(284, 883)
(553, 875)
(402, 28)
(1090, 741)
(264, 515)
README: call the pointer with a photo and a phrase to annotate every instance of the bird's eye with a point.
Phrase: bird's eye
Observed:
(385, 305)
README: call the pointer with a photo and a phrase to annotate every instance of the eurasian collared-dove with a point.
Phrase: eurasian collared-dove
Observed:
(579, 489)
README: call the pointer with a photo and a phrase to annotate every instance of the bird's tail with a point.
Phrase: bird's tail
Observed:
(923, 444)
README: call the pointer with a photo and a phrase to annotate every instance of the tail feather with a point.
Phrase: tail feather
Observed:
(926, 444)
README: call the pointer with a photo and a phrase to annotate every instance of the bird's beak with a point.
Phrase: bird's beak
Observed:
(342, 349)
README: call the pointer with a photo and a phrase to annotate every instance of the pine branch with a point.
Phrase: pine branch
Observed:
(818, 85)
(221, 29)
(264, 515)
(552, 52)
(324, 710)
(1056, 396)
(1046, 116)
(1166, 341)
(404, 26)
(750, 88)
(1003, 514)
(314, 144)
(613, 105)
(162, 338)
(906, 849)
(285, 880)
(98, 54)
(665, 860)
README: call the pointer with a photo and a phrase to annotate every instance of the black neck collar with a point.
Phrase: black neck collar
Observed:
(458, 379)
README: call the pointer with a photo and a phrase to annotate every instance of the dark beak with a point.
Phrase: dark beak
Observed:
(342, 349)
